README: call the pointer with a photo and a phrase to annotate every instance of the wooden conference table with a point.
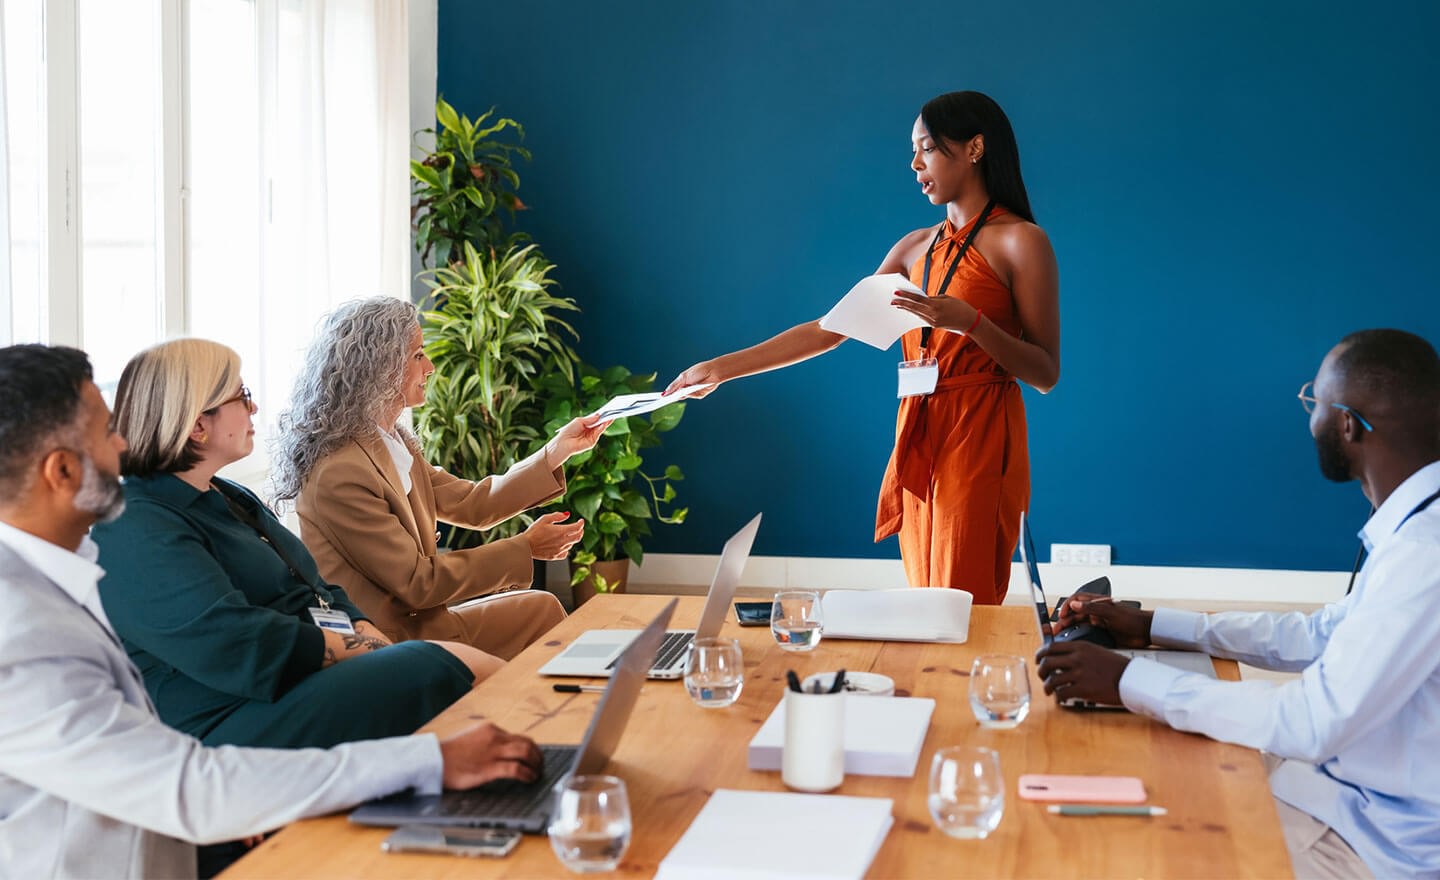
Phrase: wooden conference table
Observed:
(1221, 820)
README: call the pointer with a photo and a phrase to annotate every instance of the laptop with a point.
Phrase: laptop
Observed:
(595, 652)
(523, 806)
(1186, 661)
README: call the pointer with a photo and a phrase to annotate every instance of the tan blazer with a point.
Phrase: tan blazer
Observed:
(378, 543)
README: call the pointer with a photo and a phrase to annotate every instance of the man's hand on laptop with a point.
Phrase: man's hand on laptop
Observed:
(1083, 671)
(485, 753)
(1129, 626)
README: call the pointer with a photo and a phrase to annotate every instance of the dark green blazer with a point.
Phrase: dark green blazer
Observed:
(207, 610)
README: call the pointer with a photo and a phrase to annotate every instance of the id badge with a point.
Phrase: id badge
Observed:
(918, 378)
(332, 619)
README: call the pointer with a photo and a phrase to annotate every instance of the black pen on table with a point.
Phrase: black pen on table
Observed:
(580, 688)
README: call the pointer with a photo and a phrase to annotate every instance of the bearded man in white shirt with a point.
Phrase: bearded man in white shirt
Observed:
(1354, 742)
(92, 783)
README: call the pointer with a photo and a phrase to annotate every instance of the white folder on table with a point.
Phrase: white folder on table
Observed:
(903, 615)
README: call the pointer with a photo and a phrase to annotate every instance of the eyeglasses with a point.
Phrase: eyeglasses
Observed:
(1307, 400)
(243, 395)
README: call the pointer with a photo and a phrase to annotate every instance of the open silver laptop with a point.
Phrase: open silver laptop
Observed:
(594, 653)
(526, 806)
(1186, 661)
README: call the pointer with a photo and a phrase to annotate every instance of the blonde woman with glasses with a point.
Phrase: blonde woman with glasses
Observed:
(239, 638)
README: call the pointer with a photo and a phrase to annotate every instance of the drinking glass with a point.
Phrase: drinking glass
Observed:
(590, 827)
(999, 690)
(795, 620)
(967, 791)
(714, 672)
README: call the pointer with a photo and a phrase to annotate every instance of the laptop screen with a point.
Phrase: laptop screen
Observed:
(727, 577)
(620, 695)
(1032, 572)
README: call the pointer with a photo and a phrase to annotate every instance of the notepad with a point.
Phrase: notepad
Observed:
(883, 735)
(780, 836)
(904, 615)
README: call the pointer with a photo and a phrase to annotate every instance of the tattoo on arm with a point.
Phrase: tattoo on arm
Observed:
(355, 641)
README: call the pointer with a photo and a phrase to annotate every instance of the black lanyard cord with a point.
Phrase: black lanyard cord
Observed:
(950, 273)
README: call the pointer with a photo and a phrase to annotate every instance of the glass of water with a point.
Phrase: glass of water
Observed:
(590, 827)
(967, 791)
(714, 672)
(795, 620)
(999, 690)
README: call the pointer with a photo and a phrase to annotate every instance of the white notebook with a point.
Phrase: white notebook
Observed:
(883, 735)
(780, 836)
(904, 615)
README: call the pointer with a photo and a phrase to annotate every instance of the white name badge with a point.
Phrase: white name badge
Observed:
(918, 378)
(329, 618)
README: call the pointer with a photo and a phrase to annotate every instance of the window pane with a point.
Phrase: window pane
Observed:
(24, 103)
(119, 155)
(223, 213)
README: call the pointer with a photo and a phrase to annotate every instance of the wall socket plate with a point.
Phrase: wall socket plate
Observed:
(1079, 554)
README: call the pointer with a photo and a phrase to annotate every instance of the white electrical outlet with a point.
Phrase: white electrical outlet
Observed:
(1079, 554)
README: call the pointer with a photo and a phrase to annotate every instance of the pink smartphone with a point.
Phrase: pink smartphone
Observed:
(1089, 789)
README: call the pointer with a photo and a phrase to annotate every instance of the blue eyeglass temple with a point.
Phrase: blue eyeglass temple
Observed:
(1359, 418)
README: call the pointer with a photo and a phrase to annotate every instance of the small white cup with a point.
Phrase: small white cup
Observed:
(814, 755)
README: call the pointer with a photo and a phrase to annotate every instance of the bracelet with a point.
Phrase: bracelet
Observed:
(971, 329)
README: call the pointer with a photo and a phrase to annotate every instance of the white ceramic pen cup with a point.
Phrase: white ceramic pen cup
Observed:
(814, 756)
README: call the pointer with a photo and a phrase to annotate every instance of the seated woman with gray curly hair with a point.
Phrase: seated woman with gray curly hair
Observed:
(368, 502)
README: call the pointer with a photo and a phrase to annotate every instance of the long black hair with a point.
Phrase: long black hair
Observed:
(958, 117)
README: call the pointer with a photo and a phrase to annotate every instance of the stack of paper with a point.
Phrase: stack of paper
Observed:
(883, 735)
(780, 836)
(865, 312)
(904, 615)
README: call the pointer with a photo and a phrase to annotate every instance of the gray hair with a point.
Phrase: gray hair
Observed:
(350, 379)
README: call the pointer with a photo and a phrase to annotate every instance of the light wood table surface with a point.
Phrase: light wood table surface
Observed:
(1221, 822)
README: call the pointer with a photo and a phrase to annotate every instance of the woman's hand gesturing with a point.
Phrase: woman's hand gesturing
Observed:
(551, 537)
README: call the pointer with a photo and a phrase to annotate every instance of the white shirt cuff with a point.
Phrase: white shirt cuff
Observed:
(1144, 684)
(1174, 628)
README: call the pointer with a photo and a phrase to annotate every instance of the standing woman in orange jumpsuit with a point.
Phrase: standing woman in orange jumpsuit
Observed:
(959, 476)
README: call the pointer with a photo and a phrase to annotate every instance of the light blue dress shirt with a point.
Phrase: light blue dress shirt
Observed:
(1362, 723)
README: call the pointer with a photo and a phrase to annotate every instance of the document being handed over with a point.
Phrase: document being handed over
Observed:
(624, 405)
(865, 312)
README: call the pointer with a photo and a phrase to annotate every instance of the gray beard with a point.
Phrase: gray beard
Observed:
(100, 494)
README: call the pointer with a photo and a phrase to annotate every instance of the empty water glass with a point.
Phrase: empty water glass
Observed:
(999, 690)
(967, 791)
(590, 827)
(714, 672)
(795, 620)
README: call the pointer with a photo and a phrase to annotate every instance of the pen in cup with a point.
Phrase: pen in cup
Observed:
(1088, 810)
(580, 688)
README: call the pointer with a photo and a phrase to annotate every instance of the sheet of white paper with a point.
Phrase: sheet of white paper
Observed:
(780, 836)
(865, 312)
(639, 404)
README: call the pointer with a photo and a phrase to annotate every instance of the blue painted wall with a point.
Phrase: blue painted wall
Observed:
(1229, 186)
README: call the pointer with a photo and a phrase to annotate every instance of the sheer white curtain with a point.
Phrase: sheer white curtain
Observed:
(333, 79)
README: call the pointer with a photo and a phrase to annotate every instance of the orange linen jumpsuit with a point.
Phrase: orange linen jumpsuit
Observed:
(959, 476)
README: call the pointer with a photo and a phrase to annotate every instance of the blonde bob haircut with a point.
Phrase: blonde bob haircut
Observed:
(163, 390)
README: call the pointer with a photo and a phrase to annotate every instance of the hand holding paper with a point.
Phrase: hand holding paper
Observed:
(624, 405)
(865, 313)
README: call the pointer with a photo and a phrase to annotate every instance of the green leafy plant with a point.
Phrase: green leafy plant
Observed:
(465, 188)
(607, 485)
(492, 331)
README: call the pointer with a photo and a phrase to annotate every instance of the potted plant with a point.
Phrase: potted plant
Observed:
(465, 187)
(492, 334)
(491, 320)
(607, 485)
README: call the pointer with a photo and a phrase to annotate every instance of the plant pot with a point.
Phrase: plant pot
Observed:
(616, 572)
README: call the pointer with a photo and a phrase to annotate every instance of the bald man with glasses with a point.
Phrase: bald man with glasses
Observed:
(1353, 744)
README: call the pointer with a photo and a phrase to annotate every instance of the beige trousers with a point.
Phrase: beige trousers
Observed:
(1316, 851)
(505, 623)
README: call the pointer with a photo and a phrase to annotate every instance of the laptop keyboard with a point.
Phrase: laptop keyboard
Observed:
(510, 797)
(671, 649)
